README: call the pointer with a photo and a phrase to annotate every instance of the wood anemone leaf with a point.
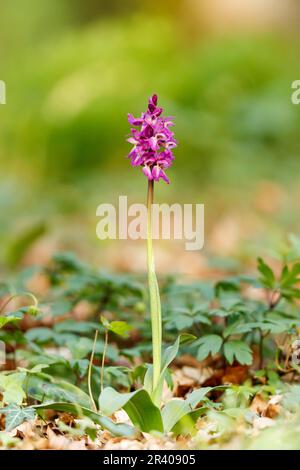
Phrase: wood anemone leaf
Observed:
(138, 405)
(208, 344)
(239, 350)
(268, 277)
(117, 429)
(290, 277)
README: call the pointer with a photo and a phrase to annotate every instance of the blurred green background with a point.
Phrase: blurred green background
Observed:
(73, 69)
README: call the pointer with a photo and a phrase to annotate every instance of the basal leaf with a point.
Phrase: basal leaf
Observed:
(186, 424)
(138, 405)
(173, 411)
(168, 356)
(117, 429)
(198, 395)
(176, 409)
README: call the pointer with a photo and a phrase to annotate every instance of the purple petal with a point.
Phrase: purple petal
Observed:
(156, 172)
(152, 141)
(164, 177)
(134, 121)
(152, 103)
(147, 172)
(132, 140)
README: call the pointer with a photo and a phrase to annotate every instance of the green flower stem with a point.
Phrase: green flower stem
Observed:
(155, 307)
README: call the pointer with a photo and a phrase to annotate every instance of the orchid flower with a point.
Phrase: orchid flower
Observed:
(152, 142)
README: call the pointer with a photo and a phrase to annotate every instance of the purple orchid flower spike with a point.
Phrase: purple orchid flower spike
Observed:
(152, 142)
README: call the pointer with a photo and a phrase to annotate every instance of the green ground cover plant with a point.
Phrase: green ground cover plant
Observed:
(63, 368)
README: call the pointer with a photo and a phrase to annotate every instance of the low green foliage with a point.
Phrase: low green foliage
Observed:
(117, 429)
(16, 415)
(72, 365)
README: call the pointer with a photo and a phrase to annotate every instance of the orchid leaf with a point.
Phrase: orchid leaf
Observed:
(138, 405)
(167, 357)
(186, 424)
(117, 429)
(176, 409)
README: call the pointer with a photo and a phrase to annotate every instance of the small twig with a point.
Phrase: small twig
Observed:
(261, 349)
(90, 372)
(22, 294)
(274, 303)
(103, 360)
(197, 328)
(287, 360)
(279, 367)
(27, 386)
